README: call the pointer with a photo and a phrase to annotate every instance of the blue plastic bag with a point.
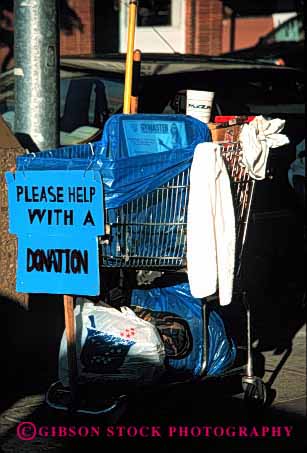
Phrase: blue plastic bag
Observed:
(128, 175)
(178, 299)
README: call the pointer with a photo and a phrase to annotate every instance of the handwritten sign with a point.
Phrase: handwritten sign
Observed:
(58, 265)
(57, 216)
(55, 203)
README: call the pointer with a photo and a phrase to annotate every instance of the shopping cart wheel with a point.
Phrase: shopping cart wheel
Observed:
(255, 393)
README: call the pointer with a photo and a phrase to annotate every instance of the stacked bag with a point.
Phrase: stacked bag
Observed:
(161, 331)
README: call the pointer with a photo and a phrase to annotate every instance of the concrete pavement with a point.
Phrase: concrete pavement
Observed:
(286, 373)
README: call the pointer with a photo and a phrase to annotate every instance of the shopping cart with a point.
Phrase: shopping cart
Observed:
(148, 232)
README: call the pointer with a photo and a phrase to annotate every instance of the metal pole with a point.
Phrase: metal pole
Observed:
(205, 338)
(36, 45)
(250, 364)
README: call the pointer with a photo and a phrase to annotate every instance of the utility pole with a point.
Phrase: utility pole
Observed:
(36, 52)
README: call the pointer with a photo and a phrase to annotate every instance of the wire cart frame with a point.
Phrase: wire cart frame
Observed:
(149, 233)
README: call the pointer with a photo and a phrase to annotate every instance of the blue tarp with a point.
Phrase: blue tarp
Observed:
(137, 153)
(178, 300)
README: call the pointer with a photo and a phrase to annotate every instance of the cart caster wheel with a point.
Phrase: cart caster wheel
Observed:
(255, 394)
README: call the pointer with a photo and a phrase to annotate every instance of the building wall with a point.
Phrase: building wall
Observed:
(75, 42)
(4, 51)
(196, 28)
(208, 16)
(190, 26)
(80, 42)
(248, 31)
(6, 37)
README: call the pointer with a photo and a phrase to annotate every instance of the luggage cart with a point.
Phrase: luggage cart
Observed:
(149, 233)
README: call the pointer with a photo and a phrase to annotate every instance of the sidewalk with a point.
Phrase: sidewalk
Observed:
(288, 408)
(290, 382)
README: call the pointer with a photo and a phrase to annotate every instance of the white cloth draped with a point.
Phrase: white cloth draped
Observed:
(211, 226)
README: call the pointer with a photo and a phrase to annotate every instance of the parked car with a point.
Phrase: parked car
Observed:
(91, 90)
(284, 45)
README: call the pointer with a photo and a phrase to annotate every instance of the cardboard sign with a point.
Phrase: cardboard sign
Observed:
(154, 136)
(55, 203)
(57, 216)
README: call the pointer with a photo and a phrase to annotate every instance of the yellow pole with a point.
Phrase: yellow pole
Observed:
(129, 57)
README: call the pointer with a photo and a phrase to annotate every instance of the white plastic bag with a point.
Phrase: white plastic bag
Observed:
(112, 346)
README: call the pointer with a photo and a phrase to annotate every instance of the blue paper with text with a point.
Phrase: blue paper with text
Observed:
(58, 265)
(57, 217)
(55, 203)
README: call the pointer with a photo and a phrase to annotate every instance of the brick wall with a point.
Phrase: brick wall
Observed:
(4, 51)
(248, 30)
(80, 42)
(204, 20)
(190, 26)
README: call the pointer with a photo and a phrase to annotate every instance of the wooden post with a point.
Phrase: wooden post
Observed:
(71, 347)
(136, 81)
(129, 57)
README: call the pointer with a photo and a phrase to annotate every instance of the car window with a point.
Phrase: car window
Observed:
(291, 30)
(88, 101)
(85, 105)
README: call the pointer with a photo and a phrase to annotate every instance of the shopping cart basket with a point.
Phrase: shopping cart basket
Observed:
(150, 231)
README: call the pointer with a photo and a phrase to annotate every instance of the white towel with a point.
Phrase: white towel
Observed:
(256, 139)
(211, 226)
